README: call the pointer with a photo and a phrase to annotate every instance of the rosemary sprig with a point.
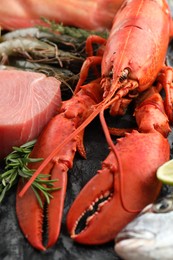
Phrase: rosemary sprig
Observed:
(72, 31)
(16, 166)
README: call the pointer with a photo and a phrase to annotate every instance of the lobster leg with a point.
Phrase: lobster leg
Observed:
(126, 182)
(150, 113)
(165, 78)
(30, 216)
(94, 39)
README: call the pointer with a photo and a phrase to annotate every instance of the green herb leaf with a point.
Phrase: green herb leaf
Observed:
(16, 166)
(72, 31)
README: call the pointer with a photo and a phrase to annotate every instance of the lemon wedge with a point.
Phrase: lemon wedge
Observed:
(165, 172)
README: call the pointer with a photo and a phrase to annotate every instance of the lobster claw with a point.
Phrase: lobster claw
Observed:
(57, 145)
(113, 197)
(39, 224)
(31, 215)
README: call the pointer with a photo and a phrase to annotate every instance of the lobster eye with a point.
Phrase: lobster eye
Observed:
(124, 74)
(111, 74)
(164, 205)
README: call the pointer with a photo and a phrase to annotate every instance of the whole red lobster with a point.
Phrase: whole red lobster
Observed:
(133, 59)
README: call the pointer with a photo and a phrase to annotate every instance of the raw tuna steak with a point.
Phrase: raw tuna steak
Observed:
(28, 101)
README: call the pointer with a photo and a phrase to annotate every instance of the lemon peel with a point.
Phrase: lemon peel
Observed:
(165, 172)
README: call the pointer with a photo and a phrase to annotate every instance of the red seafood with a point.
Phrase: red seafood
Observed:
(28, 101)
(87, 14)
(133, 59)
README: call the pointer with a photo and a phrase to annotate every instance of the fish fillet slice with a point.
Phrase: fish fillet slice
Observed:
(28, 101)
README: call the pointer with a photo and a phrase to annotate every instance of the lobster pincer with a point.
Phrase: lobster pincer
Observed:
(29, 213)
(100, 210)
